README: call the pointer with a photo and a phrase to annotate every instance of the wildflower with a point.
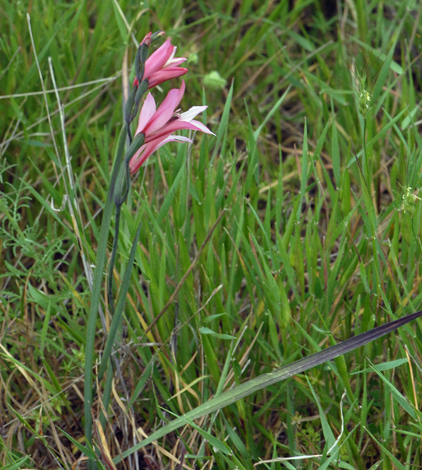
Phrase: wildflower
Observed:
(158, 125)
(162, 64)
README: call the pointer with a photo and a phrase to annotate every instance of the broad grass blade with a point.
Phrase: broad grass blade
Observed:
(231, 396)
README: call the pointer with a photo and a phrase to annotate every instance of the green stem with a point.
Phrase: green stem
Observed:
(365, 157)
(107, 392)
(113, 260)
(96, 291)
(117, 318)
(120, 196)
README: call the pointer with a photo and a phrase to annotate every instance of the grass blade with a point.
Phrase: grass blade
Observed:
(258, 383)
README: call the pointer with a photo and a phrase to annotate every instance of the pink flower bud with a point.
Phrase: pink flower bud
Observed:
(147, 39)
(162, 65)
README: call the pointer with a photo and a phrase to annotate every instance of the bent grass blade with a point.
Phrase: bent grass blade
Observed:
(241, 391)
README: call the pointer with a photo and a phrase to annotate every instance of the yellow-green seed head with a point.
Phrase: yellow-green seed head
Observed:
(409, 201)
(364, 100)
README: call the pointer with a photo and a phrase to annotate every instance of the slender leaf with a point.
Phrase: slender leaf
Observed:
(265, 380)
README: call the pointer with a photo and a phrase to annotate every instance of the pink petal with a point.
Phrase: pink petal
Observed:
(181, 93)
(141, 155)
(171, 61)
(146, 40)
(148, 149)
(172, 138)
(179, 138)
(165, 74)
(134, 164)
(172, 56)
(165, 110)
(201, 127)
(147, 111)
(175, 62)
(158, 58)
(177, 125)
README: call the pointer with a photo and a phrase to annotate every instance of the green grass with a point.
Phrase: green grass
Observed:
(298, 226)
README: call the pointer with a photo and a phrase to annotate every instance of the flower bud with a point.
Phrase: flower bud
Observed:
(129, 105)
(161, 66)
(157, 35)
(140, 60)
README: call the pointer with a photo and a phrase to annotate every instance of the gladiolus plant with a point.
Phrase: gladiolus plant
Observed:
(156, 127)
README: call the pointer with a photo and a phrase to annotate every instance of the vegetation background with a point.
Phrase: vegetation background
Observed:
(299, 226)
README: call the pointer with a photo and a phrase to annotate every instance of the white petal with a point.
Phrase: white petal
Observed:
(172, 138)
(178, 138)
(202, 127)
(192, 112)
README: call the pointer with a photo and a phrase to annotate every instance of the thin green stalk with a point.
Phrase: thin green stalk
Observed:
(118, 315)
(365, 157)
(96, 290)
(121, 192)
(107, 392)
(117, 193)
(112, 260)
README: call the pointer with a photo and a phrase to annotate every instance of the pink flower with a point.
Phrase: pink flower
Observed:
(159, 124)
(162, 65)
